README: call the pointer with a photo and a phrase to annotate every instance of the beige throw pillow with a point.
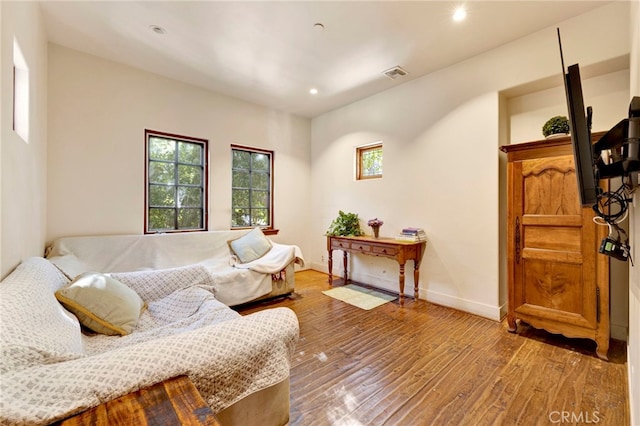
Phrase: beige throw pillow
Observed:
(102, 304)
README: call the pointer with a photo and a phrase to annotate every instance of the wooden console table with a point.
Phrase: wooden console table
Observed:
(173, 402)
(401, 251)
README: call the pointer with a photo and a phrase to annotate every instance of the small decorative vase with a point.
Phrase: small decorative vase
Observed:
(375, 224)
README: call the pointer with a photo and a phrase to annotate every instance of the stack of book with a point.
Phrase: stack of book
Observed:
(412, 235)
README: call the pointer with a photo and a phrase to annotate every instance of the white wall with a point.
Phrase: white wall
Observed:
(608, 94)
(23, 163)
(98, 111)
(633, 348)
(441, 170)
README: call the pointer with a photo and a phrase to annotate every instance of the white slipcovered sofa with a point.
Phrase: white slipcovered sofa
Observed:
(51, 370)
(235, 283)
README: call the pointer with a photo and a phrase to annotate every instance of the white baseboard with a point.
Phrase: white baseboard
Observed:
(320, 267)
(470, 306)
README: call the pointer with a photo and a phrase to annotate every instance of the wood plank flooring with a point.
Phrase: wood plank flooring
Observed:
(424, 364)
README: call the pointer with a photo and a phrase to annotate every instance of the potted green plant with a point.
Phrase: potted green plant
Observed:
(558, 125)
(346, 224)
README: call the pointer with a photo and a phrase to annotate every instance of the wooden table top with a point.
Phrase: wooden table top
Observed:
(173, 402)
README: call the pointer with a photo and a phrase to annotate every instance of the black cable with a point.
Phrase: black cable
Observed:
(612, 209)
(612, 206)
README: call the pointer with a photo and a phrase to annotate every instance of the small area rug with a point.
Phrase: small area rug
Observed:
(363, 298)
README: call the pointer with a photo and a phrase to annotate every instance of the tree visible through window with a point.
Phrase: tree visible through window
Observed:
(176, 182)
(369, 161)
(251, 187)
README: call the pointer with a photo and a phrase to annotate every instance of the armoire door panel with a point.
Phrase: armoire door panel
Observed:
(559, 220)
(553, 285)
(559, 238)
(552, 255)
(551, 190)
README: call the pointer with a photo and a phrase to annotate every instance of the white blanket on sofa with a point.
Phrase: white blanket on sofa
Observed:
(234, 283)
(274, 261)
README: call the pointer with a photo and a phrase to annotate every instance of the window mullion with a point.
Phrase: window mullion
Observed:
(251, 193)
(251, 189)
(175, 185)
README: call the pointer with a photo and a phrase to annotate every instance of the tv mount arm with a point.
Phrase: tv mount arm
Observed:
(622, 142)
(622, 147)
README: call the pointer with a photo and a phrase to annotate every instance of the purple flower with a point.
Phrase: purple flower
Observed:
(375, 222)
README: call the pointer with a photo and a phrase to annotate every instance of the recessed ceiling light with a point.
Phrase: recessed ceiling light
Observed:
(157, 29)
(459, 14)
(313, 91)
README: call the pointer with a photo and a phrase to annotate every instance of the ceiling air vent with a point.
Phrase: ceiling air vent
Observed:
(395, 72)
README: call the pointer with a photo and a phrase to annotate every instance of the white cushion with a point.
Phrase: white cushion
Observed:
(251, 246)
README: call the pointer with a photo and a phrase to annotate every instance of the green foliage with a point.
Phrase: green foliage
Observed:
(372, 162)
(162, 149)
(555, 125)
(176, 177)
(250, 188)
(189, 153)
(346, 224)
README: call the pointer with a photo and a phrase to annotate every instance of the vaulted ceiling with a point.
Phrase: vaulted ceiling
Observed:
(273, 52)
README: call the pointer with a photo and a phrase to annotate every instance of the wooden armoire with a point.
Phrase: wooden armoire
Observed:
(557, 280)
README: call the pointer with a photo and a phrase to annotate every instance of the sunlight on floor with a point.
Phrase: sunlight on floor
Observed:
(339, 415)
(322, 357)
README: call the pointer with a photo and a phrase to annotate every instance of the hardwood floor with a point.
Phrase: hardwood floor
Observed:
(423, 364)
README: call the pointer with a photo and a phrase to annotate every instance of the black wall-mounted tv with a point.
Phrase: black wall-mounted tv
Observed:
(580, 125)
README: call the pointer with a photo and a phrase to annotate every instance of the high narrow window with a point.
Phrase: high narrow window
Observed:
(20, 93)
(251, 187)
(176, 183)
(369, 161)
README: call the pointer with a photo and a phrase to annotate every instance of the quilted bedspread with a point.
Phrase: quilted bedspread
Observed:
(50, 370)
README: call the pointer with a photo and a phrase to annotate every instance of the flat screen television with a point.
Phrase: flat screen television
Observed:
(580, 125)
(580, 128)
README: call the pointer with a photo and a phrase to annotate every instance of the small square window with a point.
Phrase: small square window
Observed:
(369, 161)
